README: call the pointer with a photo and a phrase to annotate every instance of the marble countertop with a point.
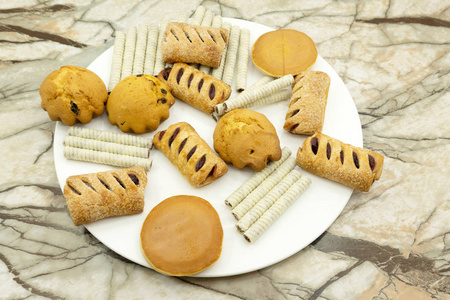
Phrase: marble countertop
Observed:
(392, 242)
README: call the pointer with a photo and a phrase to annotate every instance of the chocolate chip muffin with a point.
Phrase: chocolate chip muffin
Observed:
(244, 137)
(139, 104)
(73, 94)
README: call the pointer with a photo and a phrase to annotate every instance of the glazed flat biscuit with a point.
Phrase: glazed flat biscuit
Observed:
(332, 159)
(95, 196)
(193, 157)
(189, 43)
(195, 87)
(306, 112)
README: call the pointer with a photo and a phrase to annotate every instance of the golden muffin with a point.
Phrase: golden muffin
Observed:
(284, 51)
(139, 104)
(182, 236)
(73, 94)
(245, 137)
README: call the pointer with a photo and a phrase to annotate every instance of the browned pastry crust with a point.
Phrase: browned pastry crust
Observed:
(193, 44)
(182, 236)
(332, 159)
(193, 157)
(306, 112)
(195, 87)
(95, 196)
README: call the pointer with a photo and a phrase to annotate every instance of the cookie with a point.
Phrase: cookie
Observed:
(244, 137)
(139, 104)
(73, 94)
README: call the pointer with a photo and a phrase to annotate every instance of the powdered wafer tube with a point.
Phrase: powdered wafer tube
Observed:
(255, 180)
(242, 67)
(273, 179)
(128, 56)
(268, 200)
(113, 137)
(230, 63)
(277, 209)
(150, 52)
(117, 60)
(198, 15)
(183, 17)
(254, 94)
(207, 18)
(159, 64)
(218, 72)
(141, 44)
(106, 158)
(91, 144)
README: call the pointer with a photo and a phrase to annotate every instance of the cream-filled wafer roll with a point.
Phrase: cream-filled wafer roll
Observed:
(278, 96)
(90, 144)
(266, 202)
(128, 56)
(117, 60)
(183, 17)
(159, 64)
(150, 52)
(243, 54)
(198, 15)
(230, 63)
(255, 180)
(254, 94)
(112, 137)
(277, 209)
(273, 179)
(106, 158)
(218, 72)
(141, 44)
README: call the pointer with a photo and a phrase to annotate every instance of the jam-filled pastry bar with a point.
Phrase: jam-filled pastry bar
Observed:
(332, 159)
(95, 196)
(189, 43)
(193, 157)
(308, 102)
(195, 87)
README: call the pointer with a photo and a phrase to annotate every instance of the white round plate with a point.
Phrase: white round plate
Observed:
(313, 212)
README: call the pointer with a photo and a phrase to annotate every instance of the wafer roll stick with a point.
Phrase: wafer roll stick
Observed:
(159, 64)
(150, 52)
(117, 60)
(230, 63)
(242, 67)
(277, 209)
(254, 94)
(112, 137)
(198, 15)
(106, 158)
(256, 179)
(282, 95)
(130, 48)
(115, 148)
(218, 72)
(207, 18)
(273, 179)
(183, 17)
(266, 202)
(141, 44)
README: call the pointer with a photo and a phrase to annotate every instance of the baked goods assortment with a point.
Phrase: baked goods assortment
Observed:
(332, 159)
(139, 104)
(182, 236)
(73, 94)
(193, 157)
(245, 137)
(95, 196)
(197, 61)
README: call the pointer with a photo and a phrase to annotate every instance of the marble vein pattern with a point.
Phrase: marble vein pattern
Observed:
(390, 243)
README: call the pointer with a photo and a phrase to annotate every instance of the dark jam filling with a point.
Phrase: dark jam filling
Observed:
(314, 145)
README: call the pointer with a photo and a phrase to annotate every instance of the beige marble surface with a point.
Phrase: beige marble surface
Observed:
(390, 243)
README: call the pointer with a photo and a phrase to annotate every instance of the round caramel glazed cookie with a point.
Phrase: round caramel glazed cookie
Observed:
(245, 137)
(284, 51)
(139, 103)
(73, 94)
(182, 236)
